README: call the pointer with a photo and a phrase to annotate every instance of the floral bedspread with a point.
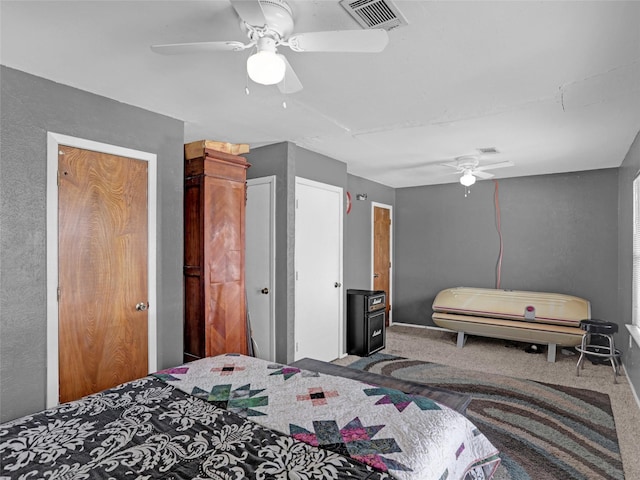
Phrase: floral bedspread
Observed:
(147, 429)
(408, 436)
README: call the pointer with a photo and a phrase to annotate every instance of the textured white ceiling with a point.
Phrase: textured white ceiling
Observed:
(554, 86)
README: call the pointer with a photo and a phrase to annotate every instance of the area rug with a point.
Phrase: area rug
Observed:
(543, 431)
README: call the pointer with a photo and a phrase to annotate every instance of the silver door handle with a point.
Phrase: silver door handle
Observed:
(376, 275)
(337, 284)
(265, 291)
(141, 307)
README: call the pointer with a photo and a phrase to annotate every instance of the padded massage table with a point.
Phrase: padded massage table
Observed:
(535, 317)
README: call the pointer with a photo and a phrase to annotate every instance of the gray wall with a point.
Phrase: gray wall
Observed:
(627, 172)
(286, 161)
(358, 231)
(560, 234)
(32, 106)
(320, 168)
(267, 161)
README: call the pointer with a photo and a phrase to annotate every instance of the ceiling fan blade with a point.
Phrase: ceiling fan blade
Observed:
(250, 11)
(291, 83)
(481, 174)
(494, 165)
(452, 165)
(355, 41)
(198, 47)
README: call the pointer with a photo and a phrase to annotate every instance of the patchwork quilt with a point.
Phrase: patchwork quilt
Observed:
(407, 436)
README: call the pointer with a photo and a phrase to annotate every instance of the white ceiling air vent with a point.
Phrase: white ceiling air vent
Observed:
(375, 13)
(487, 150)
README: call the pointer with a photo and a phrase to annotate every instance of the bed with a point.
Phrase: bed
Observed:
(235, 417)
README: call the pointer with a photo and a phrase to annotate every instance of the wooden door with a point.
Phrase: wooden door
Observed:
(102, 255)
(260, 264)
(382, 253)
(318, 266)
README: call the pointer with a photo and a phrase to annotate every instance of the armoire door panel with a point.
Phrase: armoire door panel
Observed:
(192, 225)
(193, 333)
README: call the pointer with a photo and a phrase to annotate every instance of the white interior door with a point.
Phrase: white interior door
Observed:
(260, 264)
(318, 265)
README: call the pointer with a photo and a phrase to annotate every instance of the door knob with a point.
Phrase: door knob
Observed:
(376, 275)
(337, 284)
(141, 307)
(265, 291)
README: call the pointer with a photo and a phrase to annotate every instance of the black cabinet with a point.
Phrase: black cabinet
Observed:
(365, 321)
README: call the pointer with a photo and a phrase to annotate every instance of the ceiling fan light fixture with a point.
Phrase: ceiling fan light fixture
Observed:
(467, 179)
(266, 67)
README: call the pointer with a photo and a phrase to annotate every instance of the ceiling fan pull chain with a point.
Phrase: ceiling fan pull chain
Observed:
(284, 89)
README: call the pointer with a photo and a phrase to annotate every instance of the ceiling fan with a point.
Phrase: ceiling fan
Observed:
(269, 24)
(470, 168)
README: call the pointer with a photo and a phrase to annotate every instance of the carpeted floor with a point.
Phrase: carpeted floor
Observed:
(543, 431)
(490, 358)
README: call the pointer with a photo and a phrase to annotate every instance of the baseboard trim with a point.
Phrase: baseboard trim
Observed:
(428, 327)
(633, 390)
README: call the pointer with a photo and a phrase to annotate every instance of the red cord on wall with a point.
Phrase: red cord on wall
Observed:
(498, 227)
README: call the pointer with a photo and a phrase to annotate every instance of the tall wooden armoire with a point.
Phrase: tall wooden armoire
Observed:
(214, 249)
